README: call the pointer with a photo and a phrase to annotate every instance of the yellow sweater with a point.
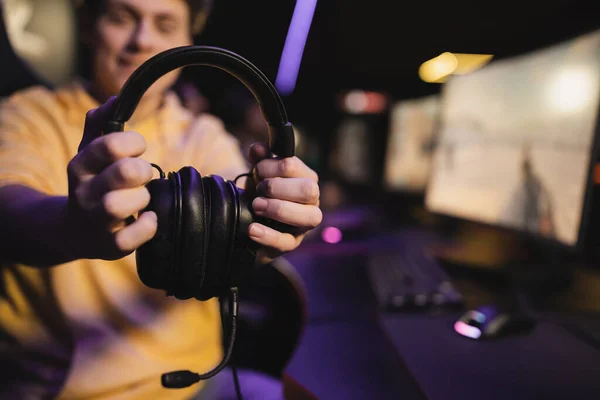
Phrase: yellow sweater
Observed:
(90, 328)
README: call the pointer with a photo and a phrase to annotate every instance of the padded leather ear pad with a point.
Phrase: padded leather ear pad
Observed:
(245, 249)
(154, 258)
(193, 240)
(222, 229)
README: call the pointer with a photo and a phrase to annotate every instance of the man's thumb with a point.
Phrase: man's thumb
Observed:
(94, 122)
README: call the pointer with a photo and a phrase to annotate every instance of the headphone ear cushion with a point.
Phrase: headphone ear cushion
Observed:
(193, 241)
(154, 258)
(245, 249)
(222, 230)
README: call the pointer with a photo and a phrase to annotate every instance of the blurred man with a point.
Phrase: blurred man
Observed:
(75, 321)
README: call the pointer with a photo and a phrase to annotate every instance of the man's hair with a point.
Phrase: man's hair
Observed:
(90, 10)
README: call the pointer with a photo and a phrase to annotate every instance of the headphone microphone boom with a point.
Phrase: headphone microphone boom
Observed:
(201, 248)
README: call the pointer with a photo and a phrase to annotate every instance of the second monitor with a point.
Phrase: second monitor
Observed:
(412, 139)
(518, 142)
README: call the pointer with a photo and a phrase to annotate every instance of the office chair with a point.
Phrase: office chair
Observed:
(15, 73)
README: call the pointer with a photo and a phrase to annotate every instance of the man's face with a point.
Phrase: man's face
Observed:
(129, 32)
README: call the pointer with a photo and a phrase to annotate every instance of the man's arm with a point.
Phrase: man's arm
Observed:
(106, 181)
(34, 230)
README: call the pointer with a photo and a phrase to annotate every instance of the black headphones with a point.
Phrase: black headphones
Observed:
(201, 249)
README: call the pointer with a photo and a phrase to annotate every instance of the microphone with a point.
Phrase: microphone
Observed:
(183, 378)
(179, 379)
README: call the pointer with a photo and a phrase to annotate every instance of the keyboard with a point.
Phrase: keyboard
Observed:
(411, 280)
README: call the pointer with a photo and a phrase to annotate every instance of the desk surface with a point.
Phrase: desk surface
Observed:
(548, 363)
(352, 351)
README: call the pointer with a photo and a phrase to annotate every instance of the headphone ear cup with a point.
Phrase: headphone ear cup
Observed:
(222, 228)
(154, 258)
(193, 242)
(245, 249)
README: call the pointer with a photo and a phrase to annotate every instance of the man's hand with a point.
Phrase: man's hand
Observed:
(106, 187)
(287, 191)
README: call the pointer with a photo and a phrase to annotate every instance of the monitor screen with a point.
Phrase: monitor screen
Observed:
(517, 139)
(411, 142)
(351, 153)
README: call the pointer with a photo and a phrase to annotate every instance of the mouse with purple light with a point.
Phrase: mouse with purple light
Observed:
(490, 322)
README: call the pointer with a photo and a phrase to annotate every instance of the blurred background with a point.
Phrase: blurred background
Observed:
(456, 144)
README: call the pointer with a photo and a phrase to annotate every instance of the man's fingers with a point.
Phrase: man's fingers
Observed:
(120, 204)
(133, 236)
(94, 122)
(268, 237)
(124, 174)
(289, 167)
(299, 190)
(258, 151)
(105, 150)
(300, 215)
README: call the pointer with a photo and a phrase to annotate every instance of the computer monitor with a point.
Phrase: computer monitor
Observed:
(411, 143)
(351, 158)
(518, 142)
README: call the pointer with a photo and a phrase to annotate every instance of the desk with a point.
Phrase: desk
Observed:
(345, 353)
(352, 351)
(548, 363)
(352, 360)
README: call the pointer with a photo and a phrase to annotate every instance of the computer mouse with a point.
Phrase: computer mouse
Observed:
(489, 322)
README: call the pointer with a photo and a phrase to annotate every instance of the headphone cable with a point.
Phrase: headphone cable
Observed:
(233, 310)
(184, 378)
(247, 174)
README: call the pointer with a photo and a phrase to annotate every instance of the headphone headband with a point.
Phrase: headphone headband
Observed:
(281, 133)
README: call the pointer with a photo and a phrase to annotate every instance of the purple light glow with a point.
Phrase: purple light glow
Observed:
(291, 56)
(331, 234)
